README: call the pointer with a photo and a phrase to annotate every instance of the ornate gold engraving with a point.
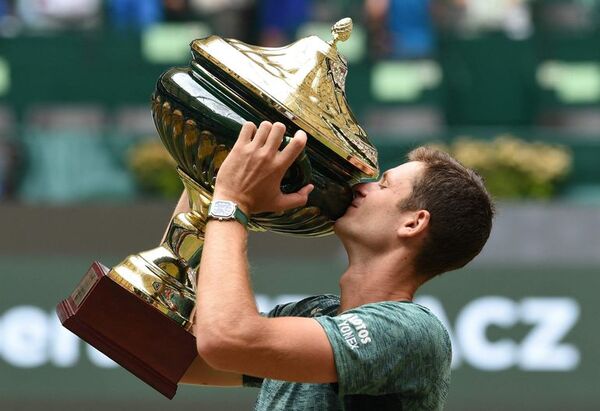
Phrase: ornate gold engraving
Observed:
(304, 81)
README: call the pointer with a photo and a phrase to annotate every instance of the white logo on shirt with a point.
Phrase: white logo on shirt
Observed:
(354, 330)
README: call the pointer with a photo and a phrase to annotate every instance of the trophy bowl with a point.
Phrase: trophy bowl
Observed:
(140, 312)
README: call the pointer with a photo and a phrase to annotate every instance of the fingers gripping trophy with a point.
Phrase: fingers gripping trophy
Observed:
(140, 312)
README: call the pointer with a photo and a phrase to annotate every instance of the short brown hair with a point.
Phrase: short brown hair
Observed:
(460, 208)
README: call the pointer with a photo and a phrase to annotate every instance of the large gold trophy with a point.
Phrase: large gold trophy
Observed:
(140, 312)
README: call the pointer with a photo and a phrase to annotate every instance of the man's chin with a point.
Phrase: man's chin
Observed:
(339, 223)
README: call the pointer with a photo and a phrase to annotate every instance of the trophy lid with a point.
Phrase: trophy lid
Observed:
(305, 81)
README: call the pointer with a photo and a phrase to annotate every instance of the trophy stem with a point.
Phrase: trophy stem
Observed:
(165, 277)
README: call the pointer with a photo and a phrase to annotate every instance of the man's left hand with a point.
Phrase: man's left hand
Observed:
(252, 172)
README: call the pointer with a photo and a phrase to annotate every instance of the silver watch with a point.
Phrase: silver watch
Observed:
(224, 210)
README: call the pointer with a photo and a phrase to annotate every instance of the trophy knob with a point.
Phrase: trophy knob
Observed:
(341, 30)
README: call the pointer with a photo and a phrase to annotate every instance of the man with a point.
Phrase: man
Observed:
(371, 348)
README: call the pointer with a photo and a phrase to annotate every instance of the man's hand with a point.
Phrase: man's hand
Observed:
(252, 172)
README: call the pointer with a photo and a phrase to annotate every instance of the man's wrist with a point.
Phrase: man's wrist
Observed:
(233, 197)
(225, 208)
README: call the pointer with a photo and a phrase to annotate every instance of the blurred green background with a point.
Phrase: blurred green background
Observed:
(510, 87)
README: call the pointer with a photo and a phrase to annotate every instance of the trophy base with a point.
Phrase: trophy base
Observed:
(134, 334)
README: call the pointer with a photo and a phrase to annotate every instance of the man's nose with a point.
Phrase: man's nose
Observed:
(361, 189)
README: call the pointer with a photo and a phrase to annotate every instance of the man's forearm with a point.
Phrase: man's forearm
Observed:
(231, 335)
(224, 298)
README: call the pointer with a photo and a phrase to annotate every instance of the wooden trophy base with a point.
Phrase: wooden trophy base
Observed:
(131, 332)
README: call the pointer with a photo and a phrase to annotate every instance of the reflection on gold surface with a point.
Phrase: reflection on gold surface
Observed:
(304, 81)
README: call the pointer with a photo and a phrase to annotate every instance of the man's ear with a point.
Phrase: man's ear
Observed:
(413, 223)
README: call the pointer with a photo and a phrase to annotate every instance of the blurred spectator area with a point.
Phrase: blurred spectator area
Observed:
(76, 77)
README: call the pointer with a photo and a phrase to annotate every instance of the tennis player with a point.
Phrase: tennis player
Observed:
(371, 348)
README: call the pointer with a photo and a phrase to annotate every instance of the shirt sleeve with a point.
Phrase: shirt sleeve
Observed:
(387, 347)
(249, 381)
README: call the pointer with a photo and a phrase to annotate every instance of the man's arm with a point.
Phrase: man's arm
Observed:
(232, 336)
(200, 373)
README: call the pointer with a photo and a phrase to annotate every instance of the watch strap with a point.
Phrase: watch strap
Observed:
(241, 216)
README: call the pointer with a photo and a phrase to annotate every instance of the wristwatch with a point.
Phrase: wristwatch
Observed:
(224, 210)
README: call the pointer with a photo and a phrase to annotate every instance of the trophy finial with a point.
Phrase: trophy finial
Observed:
(341, 30)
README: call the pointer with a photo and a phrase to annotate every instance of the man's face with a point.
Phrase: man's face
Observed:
(374, 215)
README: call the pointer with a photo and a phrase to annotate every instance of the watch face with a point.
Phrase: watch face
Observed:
(223, 209)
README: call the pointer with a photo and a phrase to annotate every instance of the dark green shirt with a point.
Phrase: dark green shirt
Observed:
(388, 355)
